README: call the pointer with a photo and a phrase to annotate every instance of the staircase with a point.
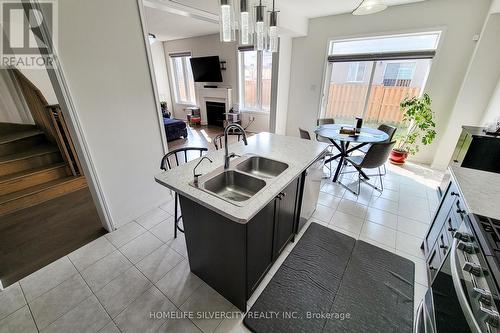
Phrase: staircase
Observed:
(32, 169)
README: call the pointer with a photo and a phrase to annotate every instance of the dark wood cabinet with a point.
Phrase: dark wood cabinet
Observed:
(260, 239)
(234, 257)
(285, 217)
(439, 237)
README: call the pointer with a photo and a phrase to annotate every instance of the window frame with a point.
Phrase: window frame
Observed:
(259, 82)
(327, 71)
(187, 76)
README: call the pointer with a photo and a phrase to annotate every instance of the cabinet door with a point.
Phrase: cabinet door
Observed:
(433, 262)
(260, 245)
(285, 217)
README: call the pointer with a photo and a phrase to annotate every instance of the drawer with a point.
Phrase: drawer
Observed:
(443, 241)
(433, 262)
(451, 225)
(459, 211)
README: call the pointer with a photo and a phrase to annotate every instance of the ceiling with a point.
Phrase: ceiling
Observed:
(167, 25)
(318, 8)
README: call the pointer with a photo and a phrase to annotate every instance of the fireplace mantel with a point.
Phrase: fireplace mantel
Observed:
(204, 95)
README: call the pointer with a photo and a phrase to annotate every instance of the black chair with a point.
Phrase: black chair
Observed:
(218, 140)
(390, 130)
(376, 157)
(304, 134)
(167, 164)
(324, 121)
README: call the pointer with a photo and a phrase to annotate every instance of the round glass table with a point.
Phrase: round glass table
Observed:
(366, 136)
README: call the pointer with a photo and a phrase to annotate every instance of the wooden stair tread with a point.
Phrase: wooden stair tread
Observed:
(29, 172)
(35, 151)
(11, 127)
(14, 136)
(36, 189)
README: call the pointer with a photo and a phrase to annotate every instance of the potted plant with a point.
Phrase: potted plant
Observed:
(418, 116)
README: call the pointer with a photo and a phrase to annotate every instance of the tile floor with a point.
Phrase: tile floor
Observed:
(114, 283)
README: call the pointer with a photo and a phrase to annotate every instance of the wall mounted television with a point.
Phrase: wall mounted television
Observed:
(206, 69)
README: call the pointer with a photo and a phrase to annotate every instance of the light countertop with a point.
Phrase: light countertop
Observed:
(297, 153)
(480, 190)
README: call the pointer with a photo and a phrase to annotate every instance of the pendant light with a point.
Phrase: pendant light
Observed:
(273, 30)
(227, 24)
(260, 29)
(245, 24)
(369, 7)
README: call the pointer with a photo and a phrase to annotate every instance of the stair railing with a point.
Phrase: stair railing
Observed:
(63, 139)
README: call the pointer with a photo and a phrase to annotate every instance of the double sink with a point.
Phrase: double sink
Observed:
(245, 177)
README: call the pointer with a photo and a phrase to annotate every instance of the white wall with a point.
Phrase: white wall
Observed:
(476, 91)
(492, 114)
(161, 73)
(41, 80)
(13, 108)
(285, 61)
(460, 19)
(206, 46)
(103, 56)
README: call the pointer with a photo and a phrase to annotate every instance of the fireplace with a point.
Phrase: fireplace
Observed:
(216, 113)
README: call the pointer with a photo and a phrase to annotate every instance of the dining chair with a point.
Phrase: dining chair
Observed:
(167, 163)
(304, 134)
(324, 121)
(390, 130)
(219, 139)
(376, 157)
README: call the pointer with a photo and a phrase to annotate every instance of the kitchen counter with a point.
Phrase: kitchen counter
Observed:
(480, 190)
(297, 153)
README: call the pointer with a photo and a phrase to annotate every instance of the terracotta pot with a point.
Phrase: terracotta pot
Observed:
(398, 157)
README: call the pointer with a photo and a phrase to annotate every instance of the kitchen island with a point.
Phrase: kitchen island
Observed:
(231, 242)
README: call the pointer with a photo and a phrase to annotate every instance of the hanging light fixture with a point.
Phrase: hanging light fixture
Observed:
(227, 25)
(260, 29)
(245, 24)
(369, 7)
(273, 30)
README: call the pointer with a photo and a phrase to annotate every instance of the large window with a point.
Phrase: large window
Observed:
(369, 77)
(182, 78)
(255, 74)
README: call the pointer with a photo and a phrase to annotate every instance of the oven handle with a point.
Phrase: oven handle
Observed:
(418, 318)
(462, 299)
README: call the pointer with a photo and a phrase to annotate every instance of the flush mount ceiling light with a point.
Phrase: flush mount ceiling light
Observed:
(369, 7)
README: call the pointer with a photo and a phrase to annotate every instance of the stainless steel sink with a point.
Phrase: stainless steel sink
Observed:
(262, 167)
(233, 186)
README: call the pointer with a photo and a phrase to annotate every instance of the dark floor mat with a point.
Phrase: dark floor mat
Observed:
(329, 276)
(376, 292)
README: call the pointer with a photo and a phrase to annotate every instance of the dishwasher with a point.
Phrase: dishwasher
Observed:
(311, 185)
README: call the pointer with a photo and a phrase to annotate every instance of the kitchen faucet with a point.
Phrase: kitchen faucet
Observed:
(227, 156)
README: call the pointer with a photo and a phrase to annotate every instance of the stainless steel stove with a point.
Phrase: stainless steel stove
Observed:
(464, 296)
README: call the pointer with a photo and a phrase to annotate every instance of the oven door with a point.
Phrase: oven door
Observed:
(454, 301)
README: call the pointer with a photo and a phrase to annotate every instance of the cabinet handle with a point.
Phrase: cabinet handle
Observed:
(442, 246)
(455, 194)
(283, 194)
(460, 211)
(452, 229)
(432, 268)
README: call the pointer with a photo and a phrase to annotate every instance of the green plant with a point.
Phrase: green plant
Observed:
(418, 118)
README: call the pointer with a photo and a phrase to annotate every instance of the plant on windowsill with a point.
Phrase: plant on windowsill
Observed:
(419, 118)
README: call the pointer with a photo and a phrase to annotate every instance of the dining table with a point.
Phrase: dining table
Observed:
(365, 136)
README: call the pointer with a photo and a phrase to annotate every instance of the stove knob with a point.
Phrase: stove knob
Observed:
(473, 268)
(464, 237)
(489, 316)
(467, 247)
(484, 296)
